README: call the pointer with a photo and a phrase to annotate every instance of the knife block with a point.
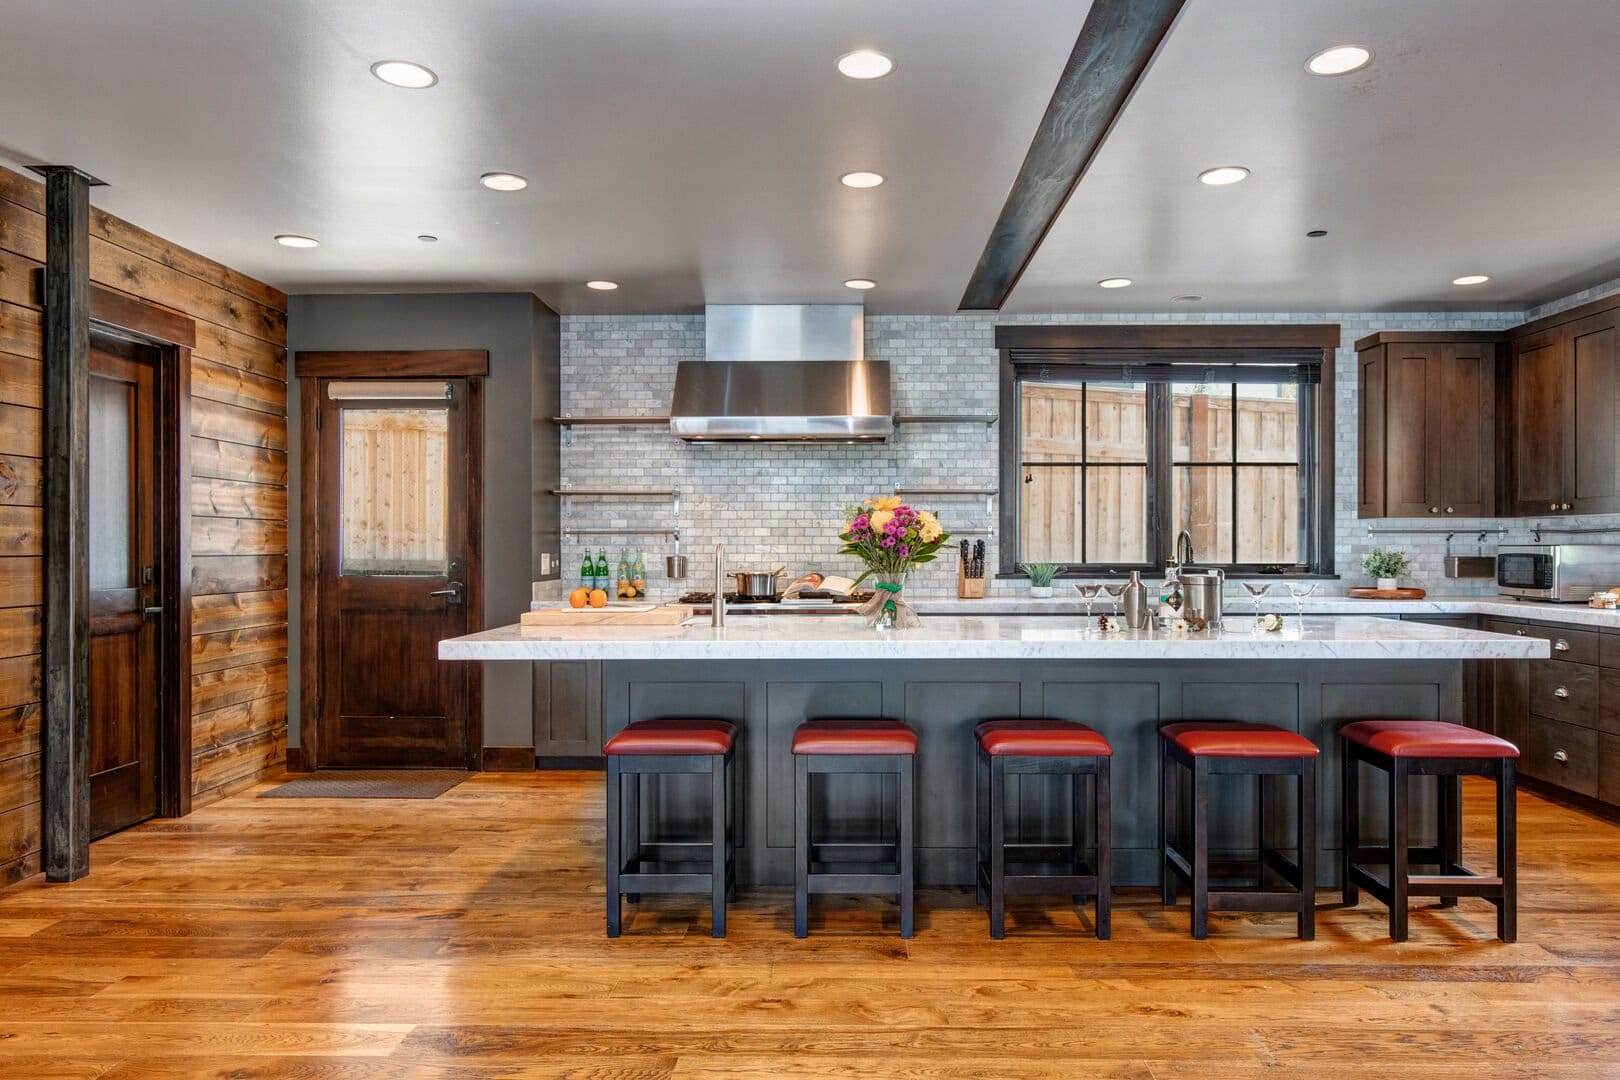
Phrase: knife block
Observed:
(968, 588)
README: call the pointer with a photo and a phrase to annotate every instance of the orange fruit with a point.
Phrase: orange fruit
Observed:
(598, 598)
(579, 598)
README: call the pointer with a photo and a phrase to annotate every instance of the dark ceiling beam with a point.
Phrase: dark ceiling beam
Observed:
(1116, 44)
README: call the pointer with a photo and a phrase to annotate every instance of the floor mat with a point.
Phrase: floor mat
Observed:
(369, 784)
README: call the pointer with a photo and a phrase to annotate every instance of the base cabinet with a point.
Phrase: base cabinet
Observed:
(568, 709)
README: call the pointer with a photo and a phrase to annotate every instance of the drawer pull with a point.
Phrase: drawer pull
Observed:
(1561, 645)
(1560, 756)
(1561, 693)
(1520, 631)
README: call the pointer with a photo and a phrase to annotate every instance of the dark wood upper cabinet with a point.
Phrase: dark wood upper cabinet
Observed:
(1564, 436)
(1427, 425)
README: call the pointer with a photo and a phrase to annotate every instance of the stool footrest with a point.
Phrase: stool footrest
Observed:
(654, 882)
(1255, 900)
(862, 884)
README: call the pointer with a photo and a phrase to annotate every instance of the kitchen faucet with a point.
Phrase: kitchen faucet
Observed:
(717, 610)
(1184, 549)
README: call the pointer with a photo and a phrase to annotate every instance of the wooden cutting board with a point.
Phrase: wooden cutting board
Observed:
(612, 615)
(1388, 594)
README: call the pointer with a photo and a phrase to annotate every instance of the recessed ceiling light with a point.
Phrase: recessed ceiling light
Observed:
(428, 238)
(865, 64)
(861, 179)
(405, 74)
(1316, 234)
(1339, 60)
(1221, 175)
(503, 181)
(293, 240)
(860, 283)
(1114, 282)
(602, 285)
(1187, 297)
(1471, 279)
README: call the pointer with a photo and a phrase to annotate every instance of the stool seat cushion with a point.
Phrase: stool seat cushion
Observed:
(854, 737)
(1238, 740)
(673, 738)
(1426, 739)
(1041, 738)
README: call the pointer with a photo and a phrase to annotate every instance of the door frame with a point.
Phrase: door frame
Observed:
(312, 369)
(172, 336)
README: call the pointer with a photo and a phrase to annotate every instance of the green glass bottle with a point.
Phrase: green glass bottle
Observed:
(587, 572)
(601, 569)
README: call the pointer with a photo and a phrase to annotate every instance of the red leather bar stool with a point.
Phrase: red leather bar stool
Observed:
(1407, 748)
(633, 866)
(1267, 753)
(1035, 747)
(881, 868)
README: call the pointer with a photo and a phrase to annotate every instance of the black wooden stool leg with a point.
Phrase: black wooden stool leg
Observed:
(1102, 816)
(1167, 814)
(1507, 850)
(801, 846)
(734, 823)
(908, 844)
(631, 783)
(615, 856)
(1200, 883)
(1450, 824)
(1265, 791)
(1307, 850)
(717, 860)
(1399, 837)
(1350, 827)
(998, 849)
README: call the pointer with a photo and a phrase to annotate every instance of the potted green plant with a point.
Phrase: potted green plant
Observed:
(1385, 565)
(1040, 577)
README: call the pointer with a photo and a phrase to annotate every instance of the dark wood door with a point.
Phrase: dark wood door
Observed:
(1541, 424)
(396, 473)
(1411, 476)
(124, 586)
(1594, 351)
(1370, 450)
(1461, 429)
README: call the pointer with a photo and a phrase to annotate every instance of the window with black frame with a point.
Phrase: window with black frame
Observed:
(1114, 460)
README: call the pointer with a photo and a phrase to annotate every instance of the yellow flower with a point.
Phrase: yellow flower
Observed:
(880, 518)
(930, 532)
(887, 502)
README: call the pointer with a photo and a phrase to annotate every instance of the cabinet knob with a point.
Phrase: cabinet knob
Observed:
(1569, 506)
(1434, 509)
(1560, 756)
(1520, 631)
(1554, 506)
(1561, 645)
(1562, 693)
(1449, 510)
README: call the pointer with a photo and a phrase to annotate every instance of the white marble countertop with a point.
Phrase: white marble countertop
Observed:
(1013, 637)
(1280, 602)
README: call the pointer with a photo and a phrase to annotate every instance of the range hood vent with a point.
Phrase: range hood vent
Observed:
(783, 373)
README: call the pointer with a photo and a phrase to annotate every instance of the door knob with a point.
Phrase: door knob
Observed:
(451, 592)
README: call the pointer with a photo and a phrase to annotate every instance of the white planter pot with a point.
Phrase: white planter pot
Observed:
(1040, 592)
(1386, 583)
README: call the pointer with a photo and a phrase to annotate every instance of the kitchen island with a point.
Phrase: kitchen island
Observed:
(769, 673)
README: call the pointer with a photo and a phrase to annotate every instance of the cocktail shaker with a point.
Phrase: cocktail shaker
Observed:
(1136, 605)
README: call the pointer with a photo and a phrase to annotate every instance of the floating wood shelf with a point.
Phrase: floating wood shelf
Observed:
(945, 491)
(618, 493)
(946, 418)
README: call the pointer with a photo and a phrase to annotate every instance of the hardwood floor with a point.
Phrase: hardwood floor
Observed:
(271, 938)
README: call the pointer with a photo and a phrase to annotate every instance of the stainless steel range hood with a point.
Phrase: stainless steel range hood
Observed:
(782, 373)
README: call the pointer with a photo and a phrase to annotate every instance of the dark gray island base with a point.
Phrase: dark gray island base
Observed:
(943, 700)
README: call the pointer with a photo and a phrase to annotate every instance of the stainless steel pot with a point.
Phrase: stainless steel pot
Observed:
(1202, 592)
(757, 583)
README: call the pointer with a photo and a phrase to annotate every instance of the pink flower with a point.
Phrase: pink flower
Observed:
(888, 541)
(905, 552)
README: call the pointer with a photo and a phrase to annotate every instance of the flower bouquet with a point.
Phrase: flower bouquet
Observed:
(892, 539)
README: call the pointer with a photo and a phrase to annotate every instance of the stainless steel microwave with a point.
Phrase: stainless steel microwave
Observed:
(1564, 573)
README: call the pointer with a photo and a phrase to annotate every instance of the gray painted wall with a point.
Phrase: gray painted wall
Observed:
(518, 331)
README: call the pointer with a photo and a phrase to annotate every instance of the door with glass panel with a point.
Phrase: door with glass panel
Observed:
(396, 475)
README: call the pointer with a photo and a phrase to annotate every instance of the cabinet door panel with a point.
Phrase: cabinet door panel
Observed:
(1562, 754)
(1540, 424)
(1370, 446)
(1411, 475)
(1461, 428)
(1595, 485)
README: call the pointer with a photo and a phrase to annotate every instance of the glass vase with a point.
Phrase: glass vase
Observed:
(890, 584)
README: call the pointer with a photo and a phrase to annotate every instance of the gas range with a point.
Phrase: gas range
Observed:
(806, 603)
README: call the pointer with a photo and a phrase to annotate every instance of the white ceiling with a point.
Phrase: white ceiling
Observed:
(690, 149)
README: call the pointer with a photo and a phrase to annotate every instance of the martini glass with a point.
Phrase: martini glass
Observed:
(1088, 595)
(1115, 594)
(1257, 592)
(1300, 593)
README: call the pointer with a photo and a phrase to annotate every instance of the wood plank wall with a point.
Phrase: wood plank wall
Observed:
(238, 506)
